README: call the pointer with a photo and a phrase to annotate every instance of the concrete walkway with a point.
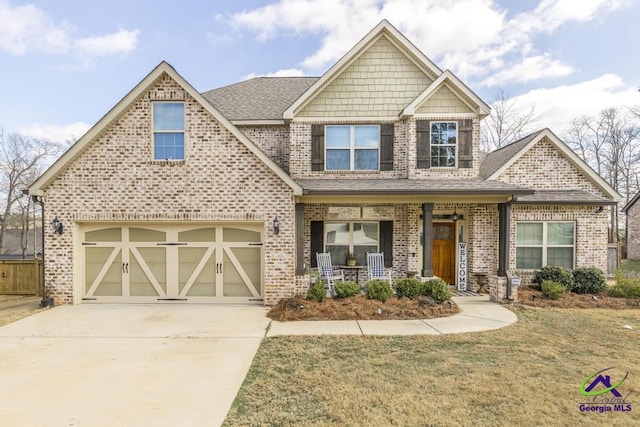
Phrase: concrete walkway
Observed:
(476, 314)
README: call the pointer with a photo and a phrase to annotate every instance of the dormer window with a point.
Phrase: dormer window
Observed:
(352, 147)
(168, 131)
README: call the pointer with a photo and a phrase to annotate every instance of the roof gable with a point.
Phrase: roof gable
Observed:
(499, 161)
(387, 39)
(631, 203)
(37, 188)
(449, 86)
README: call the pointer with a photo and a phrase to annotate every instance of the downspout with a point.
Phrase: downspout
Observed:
(46, 300)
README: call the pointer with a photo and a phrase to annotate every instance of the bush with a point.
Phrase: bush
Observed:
(588, 280)
(379, 290)
(437, 289)
(555, 273)
(552, 290)
(317, 292)
(625, 287)
(408, 288)
(346, 289)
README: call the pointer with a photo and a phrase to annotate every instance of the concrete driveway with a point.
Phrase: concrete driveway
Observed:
(127, 365)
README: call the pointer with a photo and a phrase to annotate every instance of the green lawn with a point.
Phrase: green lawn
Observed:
(526, 374)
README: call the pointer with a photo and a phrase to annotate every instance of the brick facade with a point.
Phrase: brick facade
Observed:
(116, 180)
(633, 232)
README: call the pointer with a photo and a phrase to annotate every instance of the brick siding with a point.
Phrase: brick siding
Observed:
(115, 179)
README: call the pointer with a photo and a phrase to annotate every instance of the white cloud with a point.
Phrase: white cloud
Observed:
(28, 28)
(558, 106)
(474, 38)
(121, 42)
(55, 133)
(288, 72)
(530, 68)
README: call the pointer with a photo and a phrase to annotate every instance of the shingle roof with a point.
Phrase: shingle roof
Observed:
(563, 197)
(382, 186)
(262, 98)
(496, 159)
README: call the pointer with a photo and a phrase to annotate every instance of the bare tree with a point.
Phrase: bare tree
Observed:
(21, 161)
(610, 144)
(506, 124)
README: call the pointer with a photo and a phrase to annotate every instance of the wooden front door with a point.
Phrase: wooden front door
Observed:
(443, 255)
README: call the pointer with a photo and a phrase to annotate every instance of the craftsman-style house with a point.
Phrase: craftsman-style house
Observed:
(227, 195)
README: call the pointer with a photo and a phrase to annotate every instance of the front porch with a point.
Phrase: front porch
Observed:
(461, 244)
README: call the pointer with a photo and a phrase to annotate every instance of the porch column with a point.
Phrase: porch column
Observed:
(299, 239)
(427, 245)
(504, 234)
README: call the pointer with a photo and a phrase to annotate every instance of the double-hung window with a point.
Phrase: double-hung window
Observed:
(352, 147)
(444, 143)
(358, 238)
(168, 131)
(545, 243)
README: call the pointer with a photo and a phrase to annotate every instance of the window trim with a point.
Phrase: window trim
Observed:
(545, 245)
(154, 131)
(352, 148)
(456, 145)
(351, 231)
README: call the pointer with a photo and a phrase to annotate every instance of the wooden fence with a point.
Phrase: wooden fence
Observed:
(21, 277)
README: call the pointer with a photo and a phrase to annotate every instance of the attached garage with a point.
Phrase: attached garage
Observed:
(193, 262)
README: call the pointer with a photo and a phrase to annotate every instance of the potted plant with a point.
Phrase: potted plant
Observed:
(351, 259)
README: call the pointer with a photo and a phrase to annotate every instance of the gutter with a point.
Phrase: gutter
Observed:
(46, 300)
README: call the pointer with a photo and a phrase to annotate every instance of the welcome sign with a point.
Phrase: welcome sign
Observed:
(462, 266)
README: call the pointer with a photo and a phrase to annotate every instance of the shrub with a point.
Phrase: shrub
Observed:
(346, 289)
(408, 288)
(379, 290)
(625, 287)
(437, 289)
(552, 290)
(588, 280)
(317, 292)
(557, 274)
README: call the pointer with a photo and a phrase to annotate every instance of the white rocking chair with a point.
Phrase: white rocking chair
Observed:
(327, 272)
(375, 265)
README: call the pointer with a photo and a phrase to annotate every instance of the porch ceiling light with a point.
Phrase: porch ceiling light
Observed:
(57, 225)
(454, 216)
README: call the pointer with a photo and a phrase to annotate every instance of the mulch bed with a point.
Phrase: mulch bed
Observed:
(359, 308)
(531, 297)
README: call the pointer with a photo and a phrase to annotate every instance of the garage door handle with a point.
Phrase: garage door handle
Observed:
(125, 267)
(219, 267)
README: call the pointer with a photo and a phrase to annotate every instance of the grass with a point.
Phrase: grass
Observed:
(526, 374)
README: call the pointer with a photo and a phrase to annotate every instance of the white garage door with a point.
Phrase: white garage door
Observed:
(156, 263)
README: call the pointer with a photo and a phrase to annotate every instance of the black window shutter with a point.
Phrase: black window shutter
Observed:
(386, 242)
(423, 144)
(317, 240)
(465, 143)
(317, 148)
(386, 147)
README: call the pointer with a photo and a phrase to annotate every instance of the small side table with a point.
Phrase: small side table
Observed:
(357, 268)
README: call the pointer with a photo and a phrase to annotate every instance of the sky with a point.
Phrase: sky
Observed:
(66, 63)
